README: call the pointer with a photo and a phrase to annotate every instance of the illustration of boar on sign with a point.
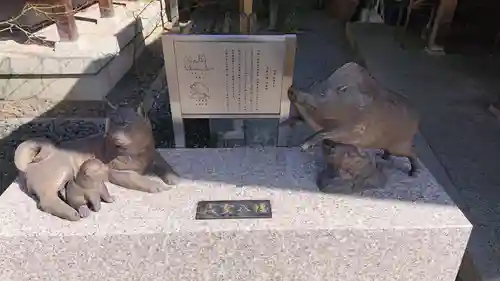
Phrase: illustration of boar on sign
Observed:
(199, 91)
(197, 64)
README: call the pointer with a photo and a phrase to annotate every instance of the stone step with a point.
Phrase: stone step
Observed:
(444, 90)
(97, 44)
(380, 234)
(83, 70)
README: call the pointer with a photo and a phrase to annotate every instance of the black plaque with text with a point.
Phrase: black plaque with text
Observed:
(234, 209)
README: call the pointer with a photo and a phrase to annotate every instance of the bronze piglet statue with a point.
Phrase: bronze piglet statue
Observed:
(88, 188)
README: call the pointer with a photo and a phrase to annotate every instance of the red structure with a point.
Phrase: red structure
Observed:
(65, 20)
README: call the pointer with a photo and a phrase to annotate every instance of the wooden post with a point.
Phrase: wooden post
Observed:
(246, 7)
(172, 10)
(168, 10)
(65, 20)
(106, 8)
(246, 22)
(440, 30)
(273, 14)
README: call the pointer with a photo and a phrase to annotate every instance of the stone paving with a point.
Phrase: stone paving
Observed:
(452, 93)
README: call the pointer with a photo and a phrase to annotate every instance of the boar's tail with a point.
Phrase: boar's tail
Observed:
(30, 152)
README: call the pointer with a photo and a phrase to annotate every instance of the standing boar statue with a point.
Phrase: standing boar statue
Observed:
(126, 149)
(353, 109)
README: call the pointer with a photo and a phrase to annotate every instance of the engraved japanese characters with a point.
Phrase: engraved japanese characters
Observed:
(234, 209)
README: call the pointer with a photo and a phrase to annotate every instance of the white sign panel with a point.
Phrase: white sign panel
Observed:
(229, 77)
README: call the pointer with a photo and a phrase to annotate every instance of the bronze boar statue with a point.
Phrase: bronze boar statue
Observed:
(354, 109)
(126, 148)
(349, 170)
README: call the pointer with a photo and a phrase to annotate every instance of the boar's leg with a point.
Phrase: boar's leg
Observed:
(133, 180)
(52, 204)
(328, 172)
(324, 176)
(293, 118)
(323, 134)
(291, 121)
(94, 198)
(105, 196)
(413, 166)
(411, 158)
(163, 170)
(314, 139)
(385, 154)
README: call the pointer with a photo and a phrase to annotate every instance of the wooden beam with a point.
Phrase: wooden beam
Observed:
(65, 20)
(106, 8)
(248, 7)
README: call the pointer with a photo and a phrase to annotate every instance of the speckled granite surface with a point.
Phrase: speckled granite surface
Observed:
(407, 230)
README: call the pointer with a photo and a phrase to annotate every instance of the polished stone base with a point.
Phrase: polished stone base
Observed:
(407, 230)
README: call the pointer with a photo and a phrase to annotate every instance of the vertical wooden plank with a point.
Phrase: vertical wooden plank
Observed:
(243, 23)
(246, 10)
(106, 8)
(248, 7)
(65, 20)
(168, 10)
(440, 30)
(273, 14)
(174, 11)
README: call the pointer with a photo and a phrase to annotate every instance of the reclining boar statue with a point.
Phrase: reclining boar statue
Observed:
(126, 149)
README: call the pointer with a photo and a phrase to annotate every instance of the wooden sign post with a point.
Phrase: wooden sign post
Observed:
(65, 20)
(106, 8)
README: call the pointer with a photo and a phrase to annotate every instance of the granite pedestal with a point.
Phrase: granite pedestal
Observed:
(408, 230)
